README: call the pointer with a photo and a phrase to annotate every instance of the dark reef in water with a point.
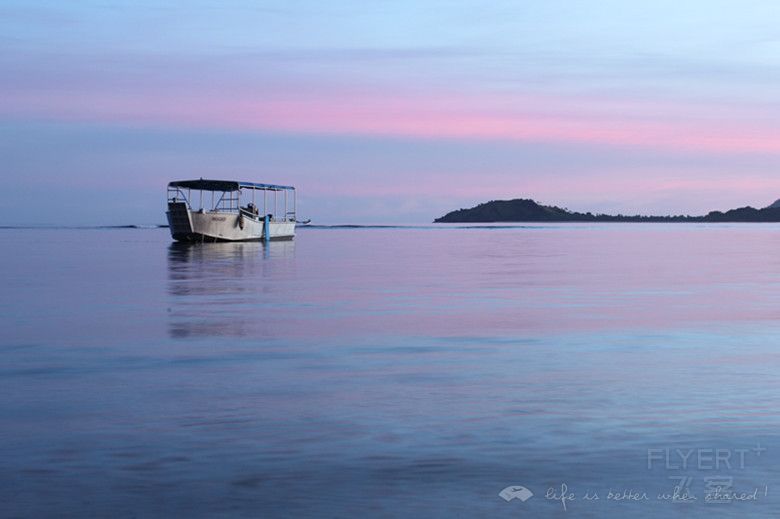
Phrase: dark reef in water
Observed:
(526, 210)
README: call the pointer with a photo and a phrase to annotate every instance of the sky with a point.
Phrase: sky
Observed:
(388, 111)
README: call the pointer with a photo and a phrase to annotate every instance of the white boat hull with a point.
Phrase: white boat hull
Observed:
(197, 226)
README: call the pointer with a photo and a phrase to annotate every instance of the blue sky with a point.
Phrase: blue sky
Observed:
(390, 111)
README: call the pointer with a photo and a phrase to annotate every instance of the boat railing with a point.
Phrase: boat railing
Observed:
(230, 202)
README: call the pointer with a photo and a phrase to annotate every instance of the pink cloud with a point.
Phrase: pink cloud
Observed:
(520, 118)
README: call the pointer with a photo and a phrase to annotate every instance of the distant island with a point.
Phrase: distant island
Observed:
(527, 210)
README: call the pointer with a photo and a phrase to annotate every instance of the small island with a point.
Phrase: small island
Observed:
(527, 210)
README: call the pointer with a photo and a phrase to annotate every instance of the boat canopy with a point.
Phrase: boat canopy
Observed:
(225, 185)
(227, 196)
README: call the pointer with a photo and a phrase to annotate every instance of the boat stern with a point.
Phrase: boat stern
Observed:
(179, 221)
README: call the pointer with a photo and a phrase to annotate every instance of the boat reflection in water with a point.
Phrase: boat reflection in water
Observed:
(224, 289)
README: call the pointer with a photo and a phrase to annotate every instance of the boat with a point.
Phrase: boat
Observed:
(235, 211)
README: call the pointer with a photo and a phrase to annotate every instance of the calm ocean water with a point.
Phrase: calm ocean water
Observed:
(392, 372)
